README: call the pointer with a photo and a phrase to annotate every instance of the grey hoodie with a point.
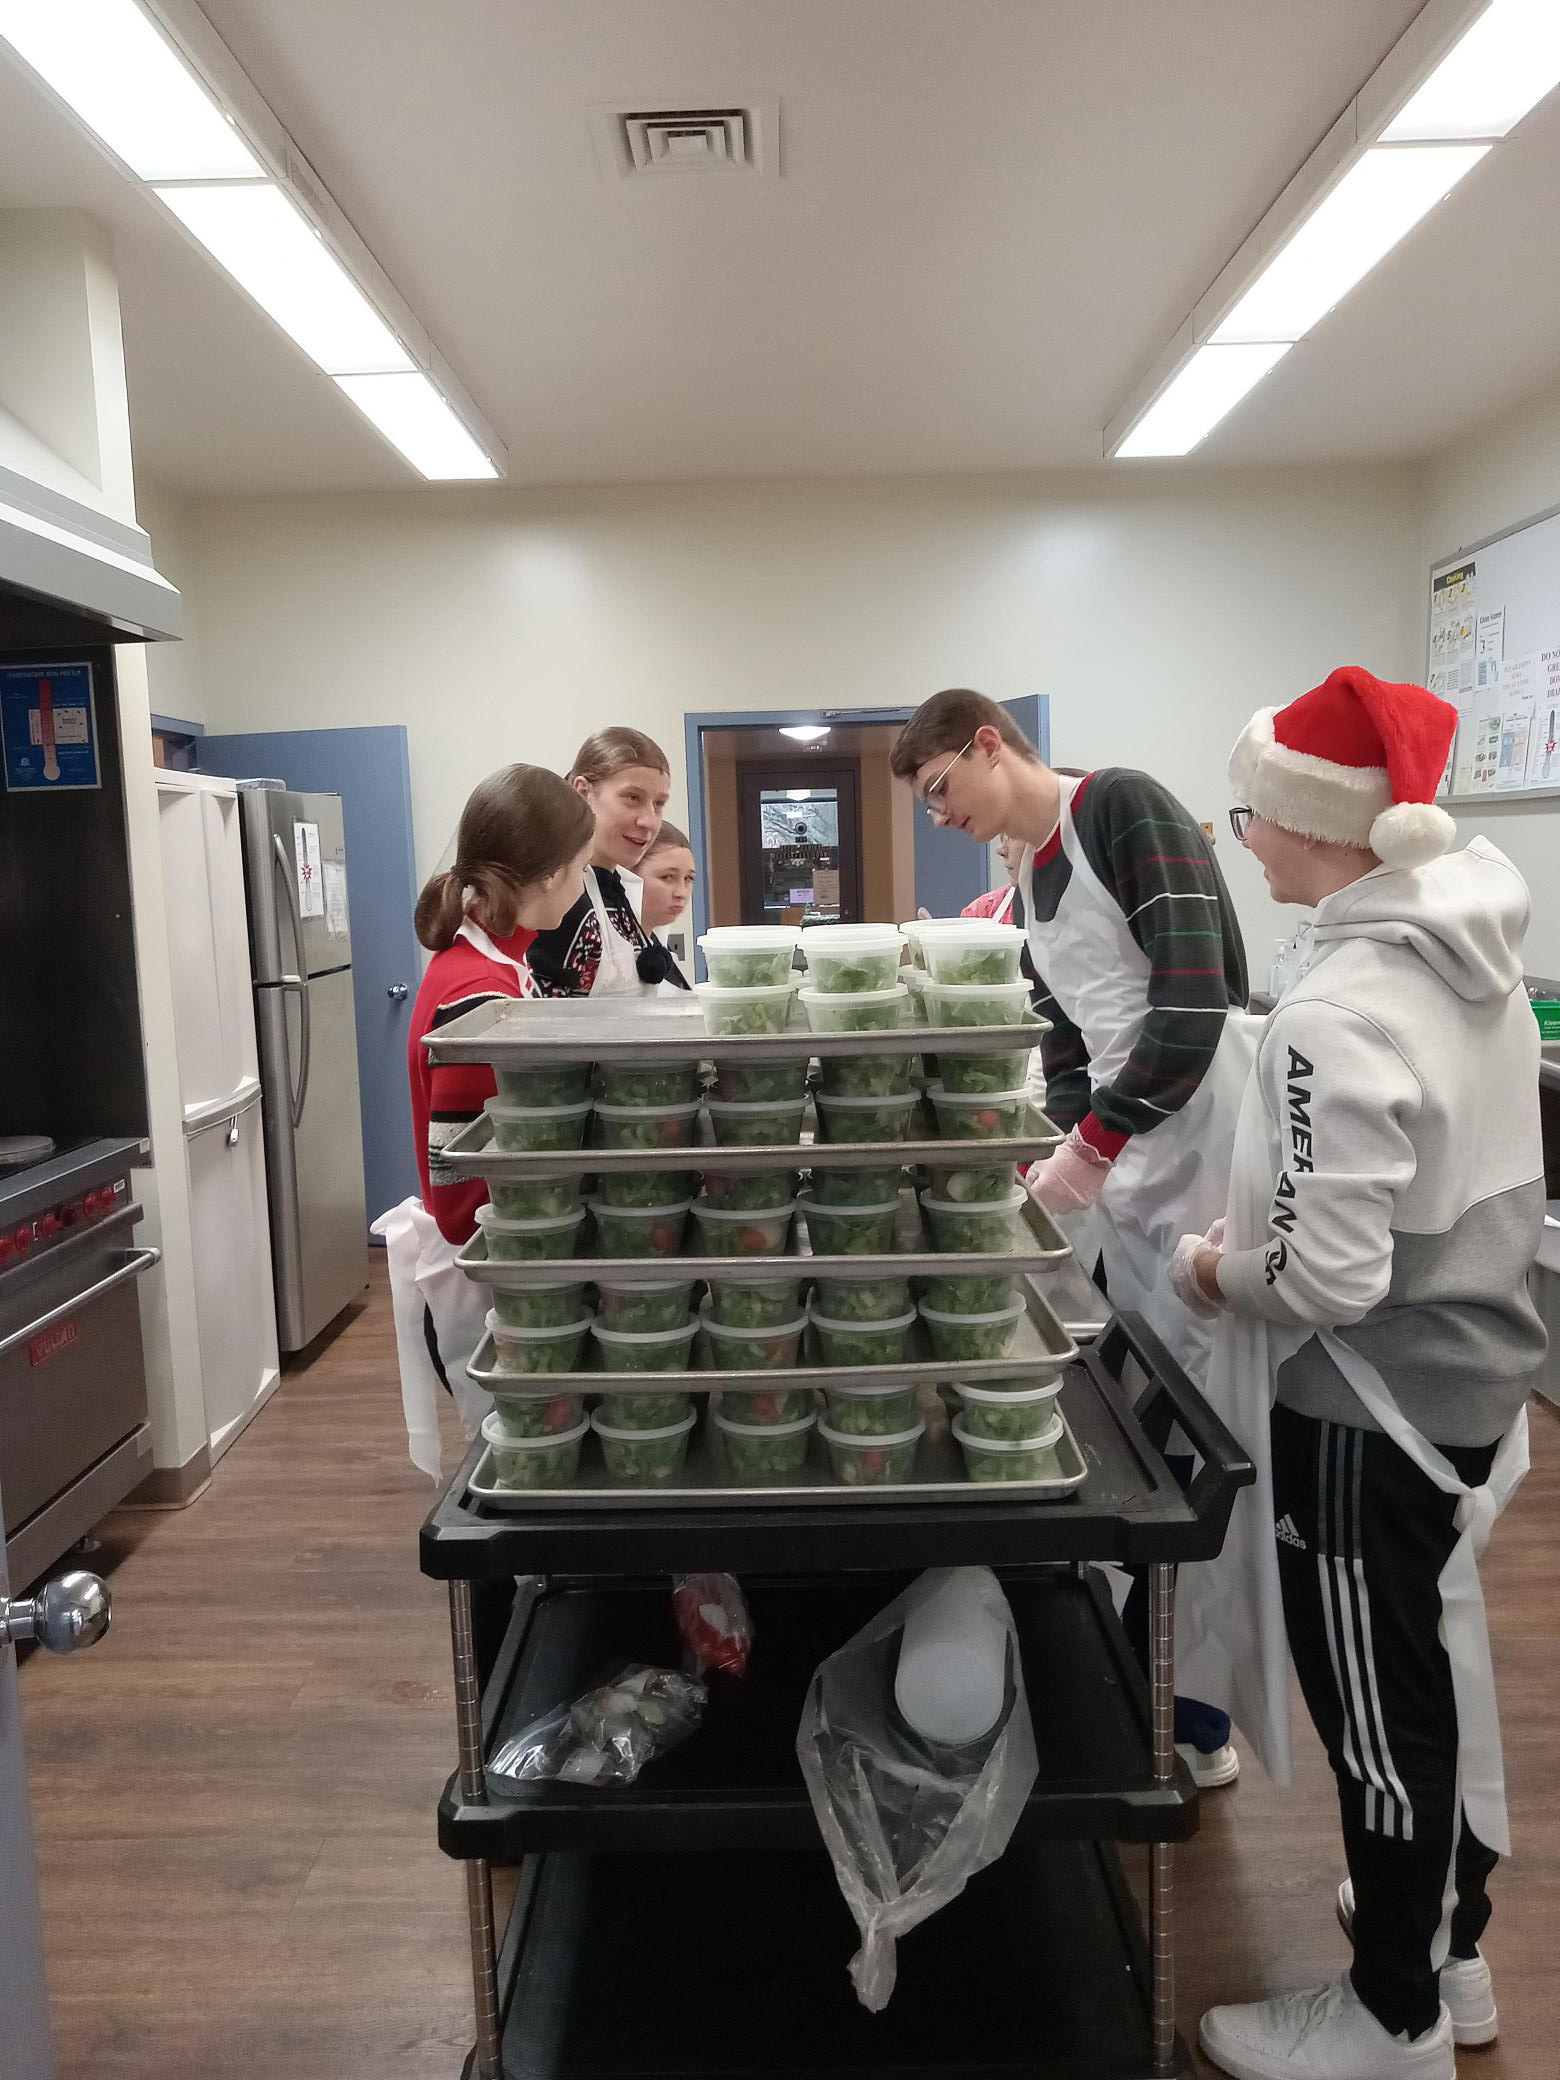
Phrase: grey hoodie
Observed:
(1400, 1086)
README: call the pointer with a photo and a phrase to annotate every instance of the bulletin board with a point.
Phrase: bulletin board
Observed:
(1493, 651)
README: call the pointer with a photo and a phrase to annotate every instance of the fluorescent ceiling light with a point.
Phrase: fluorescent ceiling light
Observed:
(270, 250)
(1379, 200)
(805, 732)
(413, 417)
(1212, 383)
(1502, 66)
(108, 63)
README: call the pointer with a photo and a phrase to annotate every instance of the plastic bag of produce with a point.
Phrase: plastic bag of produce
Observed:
(906, 1821)
(608, 1735)
(714, 1620)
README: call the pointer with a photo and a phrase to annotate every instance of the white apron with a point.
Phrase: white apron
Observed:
(1464, 1626)
(617, 972)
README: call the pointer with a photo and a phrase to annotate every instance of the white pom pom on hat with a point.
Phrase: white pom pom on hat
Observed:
(1355, 761)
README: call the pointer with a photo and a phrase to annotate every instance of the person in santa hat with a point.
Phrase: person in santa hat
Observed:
(1386, 1201)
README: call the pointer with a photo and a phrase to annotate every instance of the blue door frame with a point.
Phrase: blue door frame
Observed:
(1032, 713)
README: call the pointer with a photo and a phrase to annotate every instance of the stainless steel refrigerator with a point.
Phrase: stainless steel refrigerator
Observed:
(300, 940)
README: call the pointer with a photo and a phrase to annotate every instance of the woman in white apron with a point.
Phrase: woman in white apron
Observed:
(1385, 1205)
(520, 855)
(601, 948)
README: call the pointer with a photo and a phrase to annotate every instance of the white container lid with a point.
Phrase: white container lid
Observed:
(846, 999)
(533, 1224)
(737, 1108)
(684, 1110)
(756, 993)
(828, 1321)
(903, 1099)
(807, 1204)
(639, 1285)
(939, 1095)
(914, 926)
(1015, 1197)
(750, 938)
(751, 1214)
(496, 1108)
(1010, 1313)
(793, 1428)
(620, 1213)
(553, 1332)
(870, 1443)
(683, 1333)
(655, 1436)
(494, 1432)
(972, 931)
(999, 1397)
(1051, 1435)
(718, 1329)
(852, 938)
(963, 991)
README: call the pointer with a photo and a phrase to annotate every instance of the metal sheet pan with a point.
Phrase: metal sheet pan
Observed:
(706, 1481)
(1042, 1246)
(540, 1032)
(1040, 1350)
(471, 1153)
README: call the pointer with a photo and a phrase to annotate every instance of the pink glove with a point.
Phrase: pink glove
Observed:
(1071, 1179)
(1184, 1282)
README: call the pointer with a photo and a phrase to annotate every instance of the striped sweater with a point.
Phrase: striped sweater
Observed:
(1152, 858)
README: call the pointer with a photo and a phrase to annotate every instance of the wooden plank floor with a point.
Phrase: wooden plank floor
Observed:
(234, 1792)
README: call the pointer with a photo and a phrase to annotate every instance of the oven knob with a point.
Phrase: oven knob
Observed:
(49, 1226)
(23, 1239)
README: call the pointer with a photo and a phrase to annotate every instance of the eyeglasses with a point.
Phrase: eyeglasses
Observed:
(1240, 823)
(931, 801)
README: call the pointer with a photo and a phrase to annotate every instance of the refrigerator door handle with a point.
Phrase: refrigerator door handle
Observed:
(298, 982)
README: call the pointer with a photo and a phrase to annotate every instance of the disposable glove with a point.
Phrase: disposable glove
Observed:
(1071, 1180)
(1183, 1272)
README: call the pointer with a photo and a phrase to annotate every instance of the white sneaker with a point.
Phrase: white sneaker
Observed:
(1466, 1986)
(1211, 1770)
(1324, 2033)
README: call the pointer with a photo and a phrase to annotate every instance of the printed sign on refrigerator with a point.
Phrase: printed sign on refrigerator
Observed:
(49, 724)
(311, 884)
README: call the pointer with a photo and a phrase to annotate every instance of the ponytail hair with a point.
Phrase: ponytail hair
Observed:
(520, 825)
(612, 751)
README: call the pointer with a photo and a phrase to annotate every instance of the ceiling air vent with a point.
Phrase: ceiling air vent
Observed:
(656, 142)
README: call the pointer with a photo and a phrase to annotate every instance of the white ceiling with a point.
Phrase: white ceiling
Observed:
(991, 216)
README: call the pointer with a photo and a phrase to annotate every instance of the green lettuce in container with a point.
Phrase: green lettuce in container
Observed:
(670, 1084)
(647, 1127)
(971, 1339)
(988, 1004)
(849, 959)
(639, 1308)
(642, 1231)
(762, 1411)
(644, 1411)
(565, 1083)
(986, 1185)
(765, 1454)
(974, 1230)
(872, 1461)
(533, 1462)
(731, 1013)
(975, 953)
(997, 1459)
(1012, 1411)
(754, 1303)
(539, 1307)
(982, 1116)
(850, 1231)
(856, 1187)
(866, 1119)
(754, 1232)
(971, 1293)
(749, 956)
(754, 1350)
(757, 1123)
(532, 1198)
(863, 1299)
(873, 1011)
(535, 1129)
(520, 1351)
(865, 1075)
(645, 1187)
(861, 1344)
(974, 1075)
(529, 1241)
(645, 1350)
(644, 1458)
(532, 1416)
(750, 1191)
(860, 1414)
(753, 1083)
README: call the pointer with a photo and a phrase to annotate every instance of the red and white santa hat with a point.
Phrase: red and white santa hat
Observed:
(1356, 761)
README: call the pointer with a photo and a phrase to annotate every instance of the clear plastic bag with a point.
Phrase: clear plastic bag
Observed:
(608, 1735)
(714, 1621)
(907, 1823)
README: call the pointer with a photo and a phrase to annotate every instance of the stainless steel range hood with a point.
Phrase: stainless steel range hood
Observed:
(63, 553)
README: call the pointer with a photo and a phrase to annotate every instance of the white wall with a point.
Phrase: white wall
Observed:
(1156, 608)
(173, 670)
(1499, 474)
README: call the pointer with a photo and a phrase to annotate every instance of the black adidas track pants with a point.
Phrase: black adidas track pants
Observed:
(1362, 1538)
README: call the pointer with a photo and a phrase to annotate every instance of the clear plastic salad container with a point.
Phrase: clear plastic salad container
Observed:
(745, 1083)
(668, 1304)
(536, 1129)
(753, 1350)
(856, 1187)
(979, 1229)
(646, 1350)
(740, 1303)
(533, 1462)
(913, 927)
(849, 959)
(972, 1075)
(863, 1299)
(520, 1351)
(773, 1452)
(972, 1338)
(518, 1242)
(915, 983)
(1008, 1459)
(971, 1292)
(644, 1411)
(862, 1343)
(742, 1232)
(749, 956)
(539, 1307)
(644, 1458)
(757, 1123)
(980, 1115)
(984, 1184)
(533, 1415)
(871, 1412)
(748, 1191)
(731, 1012)
(873, 1460)
(978, 1004)
(763, 1410)
(647, 1126)
(866, 1119)
(561, 1083)
(872, 1011)
(975, 953)
(643, 1188)
(849, 1231)
(865, 1075)
(534, 1198)
(672, 1083)
(1012, 1412)
(640, 1231)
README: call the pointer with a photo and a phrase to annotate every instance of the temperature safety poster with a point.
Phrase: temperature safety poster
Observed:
(48, 720)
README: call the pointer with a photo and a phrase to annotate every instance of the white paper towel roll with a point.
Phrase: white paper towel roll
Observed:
(952, 1676)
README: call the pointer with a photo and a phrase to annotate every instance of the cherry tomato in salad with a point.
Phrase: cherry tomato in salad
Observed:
(873, 1462)
(988, 1117)
(558, 1415)
(753, 1242)
(663, 1238)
